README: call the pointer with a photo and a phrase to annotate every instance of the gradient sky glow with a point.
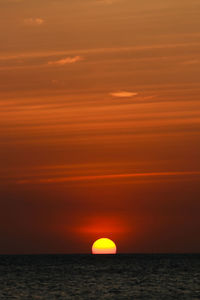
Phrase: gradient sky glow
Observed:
(99, 125)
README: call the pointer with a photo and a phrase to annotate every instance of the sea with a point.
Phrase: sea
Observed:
(121, 276)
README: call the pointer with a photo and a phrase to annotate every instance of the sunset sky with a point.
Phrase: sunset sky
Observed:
(99, 125)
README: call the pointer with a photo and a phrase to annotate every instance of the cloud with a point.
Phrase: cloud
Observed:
(106, 1)
(123, 94)
(109, 176)
(191, 62)
(65, 61)
(98, 50)
(34, 21)
(11, 1)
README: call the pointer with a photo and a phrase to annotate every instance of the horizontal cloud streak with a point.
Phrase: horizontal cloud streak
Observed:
(34, 21)
(110, 176)
(65, 61)
(101, 50)
(123, 94)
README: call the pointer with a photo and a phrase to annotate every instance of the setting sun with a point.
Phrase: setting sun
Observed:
(104, 246)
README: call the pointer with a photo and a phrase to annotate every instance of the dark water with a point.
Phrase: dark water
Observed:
(100, 277)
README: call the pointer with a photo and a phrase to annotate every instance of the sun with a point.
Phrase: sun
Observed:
(104, 246)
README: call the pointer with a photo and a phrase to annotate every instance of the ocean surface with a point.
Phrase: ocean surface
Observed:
(100, 277)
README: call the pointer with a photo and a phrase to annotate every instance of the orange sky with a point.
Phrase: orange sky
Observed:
(99, 125)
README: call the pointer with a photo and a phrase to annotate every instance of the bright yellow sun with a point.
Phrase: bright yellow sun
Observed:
(104, 246)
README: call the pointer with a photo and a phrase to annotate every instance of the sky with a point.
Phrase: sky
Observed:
(99, 125)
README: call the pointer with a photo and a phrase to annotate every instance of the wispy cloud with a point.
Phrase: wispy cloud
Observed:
(65, 61)
(124, 94)
(10, 1)
(110, 176)
(106, 1)
(34, 21)
(99, 50)
(191, 62)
